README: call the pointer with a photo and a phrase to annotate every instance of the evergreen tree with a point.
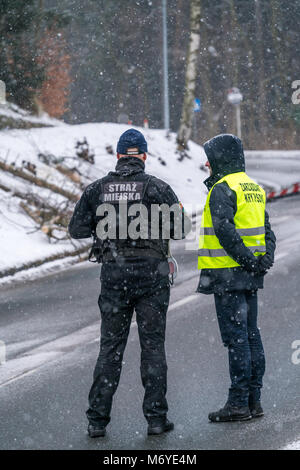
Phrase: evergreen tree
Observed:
(19, 69)
(22, 24)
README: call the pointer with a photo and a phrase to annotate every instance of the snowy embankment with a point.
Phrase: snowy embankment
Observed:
(21, 238)
(293, 446)
(14, 117)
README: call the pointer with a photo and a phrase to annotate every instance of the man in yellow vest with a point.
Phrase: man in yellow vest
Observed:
(236, 249)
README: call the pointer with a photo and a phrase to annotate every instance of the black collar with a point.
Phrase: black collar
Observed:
(133, 163)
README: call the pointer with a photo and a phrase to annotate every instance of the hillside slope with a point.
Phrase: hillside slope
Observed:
(49, 148)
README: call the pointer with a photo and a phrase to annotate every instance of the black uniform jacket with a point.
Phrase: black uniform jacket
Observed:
(84, 221)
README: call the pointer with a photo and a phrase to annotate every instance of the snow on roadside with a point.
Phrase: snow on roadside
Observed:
(46, 269)
(293, 446)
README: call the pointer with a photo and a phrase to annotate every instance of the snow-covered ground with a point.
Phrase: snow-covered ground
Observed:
(19, 117)
(293, 446)
(19, 241)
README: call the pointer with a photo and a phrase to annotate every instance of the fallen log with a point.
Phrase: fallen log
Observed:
(30, 213)
(38, 181)
(29, 197)
(71, 174)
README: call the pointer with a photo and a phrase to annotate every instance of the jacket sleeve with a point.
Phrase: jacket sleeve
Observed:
(82, 224)
(180, 223)
(270, 238)
(223, 208)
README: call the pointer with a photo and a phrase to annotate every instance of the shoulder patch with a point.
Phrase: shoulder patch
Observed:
(126, 191)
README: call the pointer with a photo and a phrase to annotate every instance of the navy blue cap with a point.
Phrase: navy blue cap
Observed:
(131, 139)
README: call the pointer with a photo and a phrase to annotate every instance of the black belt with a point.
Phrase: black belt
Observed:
(133, 253)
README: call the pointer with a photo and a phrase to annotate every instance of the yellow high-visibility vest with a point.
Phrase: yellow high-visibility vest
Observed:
(249, 222)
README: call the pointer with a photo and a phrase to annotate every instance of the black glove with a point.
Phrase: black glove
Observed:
(265, 262)
(258, 265)
(251, 265)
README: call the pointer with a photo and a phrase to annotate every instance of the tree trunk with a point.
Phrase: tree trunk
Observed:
(185, 128)
(262, 108)
(39, 182)
(280, 64)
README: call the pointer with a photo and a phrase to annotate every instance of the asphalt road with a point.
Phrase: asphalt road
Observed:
(51, 331)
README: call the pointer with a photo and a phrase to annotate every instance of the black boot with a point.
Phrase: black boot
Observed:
(230, 413)
(256, 409)
(96, 431)
(155, 428)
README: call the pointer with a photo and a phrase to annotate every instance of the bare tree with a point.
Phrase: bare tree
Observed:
(261, 69)
(185, 128)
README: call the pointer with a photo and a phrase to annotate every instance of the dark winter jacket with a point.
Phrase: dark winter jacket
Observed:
(225, 155)
(84, 220)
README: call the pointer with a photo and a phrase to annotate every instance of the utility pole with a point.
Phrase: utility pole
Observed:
(235, 97)
(2, 352)
(238, 121)
(165, 67)
(2, 93)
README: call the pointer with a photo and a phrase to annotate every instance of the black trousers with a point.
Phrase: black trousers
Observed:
(117, 306)
(237, 317)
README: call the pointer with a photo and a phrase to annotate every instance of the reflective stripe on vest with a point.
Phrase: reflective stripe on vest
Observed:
(249, 223)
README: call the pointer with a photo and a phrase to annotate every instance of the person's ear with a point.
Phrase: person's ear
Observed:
(145, 157)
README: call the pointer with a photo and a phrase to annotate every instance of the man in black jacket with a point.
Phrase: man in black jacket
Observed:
(134, 276)
(235, 288)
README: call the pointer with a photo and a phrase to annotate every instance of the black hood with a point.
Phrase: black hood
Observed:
(127, 166)
(225, 154)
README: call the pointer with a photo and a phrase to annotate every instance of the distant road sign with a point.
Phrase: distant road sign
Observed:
(197, 105)
(234, 96)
